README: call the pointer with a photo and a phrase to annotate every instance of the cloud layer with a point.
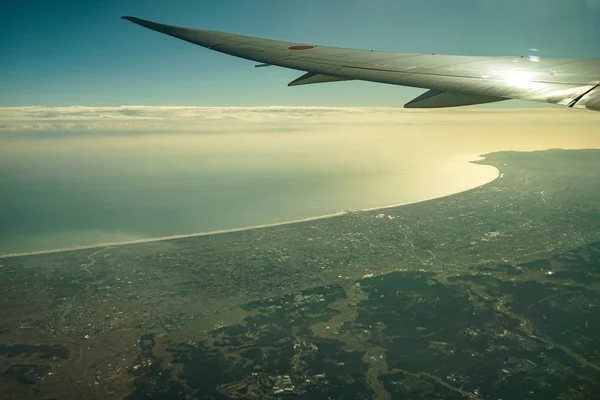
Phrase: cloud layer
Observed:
(216, 119)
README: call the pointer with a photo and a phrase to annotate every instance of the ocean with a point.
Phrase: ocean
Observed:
(76, 206)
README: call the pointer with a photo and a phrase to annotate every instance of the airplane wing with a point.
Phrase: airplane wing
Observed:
(451, 80)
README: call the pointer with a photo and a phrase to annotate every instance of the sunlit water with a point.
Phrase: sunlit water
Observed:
(55, 199)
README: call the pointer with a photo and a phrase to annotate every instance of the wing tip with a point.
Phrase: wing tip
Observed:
(138, 21)
(155, 26)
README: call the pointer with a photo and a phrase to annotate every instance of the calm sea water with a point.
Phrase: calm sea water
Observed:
(82, 191)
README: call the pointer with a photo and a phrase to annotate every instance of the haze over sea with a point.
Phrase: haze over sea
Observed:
(73, 176)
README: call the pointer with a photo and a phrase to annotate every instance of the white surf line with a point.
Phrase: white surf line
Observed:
(173, 237)
(246, 228)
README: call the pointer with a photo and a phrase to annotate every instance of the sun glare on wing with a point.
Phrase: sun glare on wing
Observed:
(518, 78)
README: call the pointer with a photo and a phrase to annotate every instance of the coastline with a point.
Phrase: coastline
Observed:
(476, 160)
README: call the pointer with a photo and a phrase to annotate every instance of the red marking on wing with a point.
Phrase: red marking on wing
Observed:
(301, 47)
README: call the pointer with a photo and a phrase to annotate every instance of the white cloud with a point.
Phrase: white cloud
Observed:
(155, 117)
(171, 119)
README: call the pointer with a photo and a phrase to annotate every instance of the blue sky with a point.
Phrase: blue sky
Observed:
(81, 53)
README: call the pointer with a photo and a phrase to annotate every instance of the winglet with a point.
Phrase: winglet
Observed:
(135, 20)
(147, 24)
(200, 37)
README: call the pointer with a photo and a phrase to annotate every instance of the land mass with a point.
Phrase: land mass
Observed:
(487, 294)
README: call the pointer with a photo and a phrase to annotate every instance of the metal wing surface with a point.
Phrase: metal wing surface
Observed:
(452, 80)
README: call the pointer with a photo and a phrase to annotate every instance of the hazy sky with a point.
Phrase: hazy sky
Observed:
(81, 53)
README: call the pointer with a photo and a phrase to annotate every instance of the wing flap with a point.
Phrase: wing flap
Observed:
(437, 99)
(310, 78)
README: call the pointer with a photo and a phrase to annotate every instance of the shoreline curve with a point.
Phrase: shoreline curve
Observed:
(477, 160)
